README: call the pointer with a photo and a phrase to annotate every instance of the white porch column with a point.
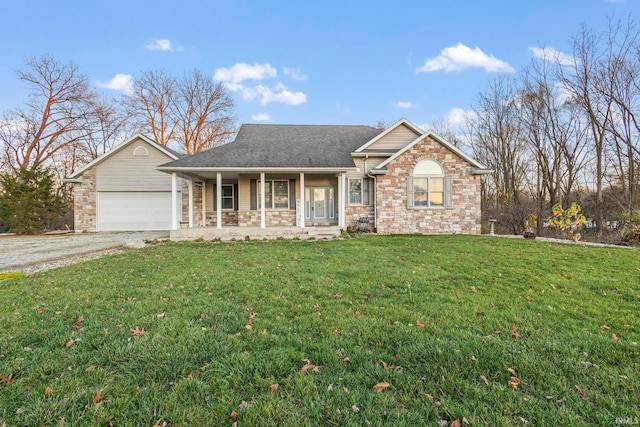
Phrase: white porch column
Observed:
(218, 200)
(302, 200)
(204, 203)
(174, 201)
(341, 196)
(190, 203)
(262, 214)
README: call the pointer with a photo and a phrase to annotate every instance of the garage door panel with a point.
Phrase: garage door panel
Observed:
(125, 211)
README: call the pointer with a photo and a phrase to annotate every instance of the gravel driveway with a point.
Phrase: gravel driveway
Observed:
(29, 254)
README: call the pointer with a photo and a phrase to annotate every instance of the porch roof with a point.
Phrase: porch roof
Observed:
(282, 147)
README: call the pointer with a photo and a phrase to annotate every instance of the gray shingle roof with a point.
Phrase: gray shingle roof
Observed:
(284, 146)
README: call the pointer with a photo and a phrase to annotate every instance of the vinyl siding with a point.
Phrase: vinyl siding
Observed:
(125, 172)
(395, 140)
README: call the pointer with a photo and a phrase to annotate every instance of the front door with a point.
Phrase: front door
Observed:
(319, 204)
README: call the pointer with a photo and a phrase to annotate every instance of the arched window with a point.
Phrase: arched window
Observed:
(140, 151)
(429, 185)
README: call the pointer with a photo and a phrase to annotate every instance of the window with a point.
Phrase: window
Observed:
(276, 194)
(227, 197)
(429, 185)
(355, 191)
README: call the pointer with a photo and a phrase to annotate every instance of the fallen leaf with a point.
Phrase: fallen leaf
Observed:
(581, 393)
(514, 383)
(160, 423)
(70, 343)
(48, 390)
(590, 364)
(615, 337)
(6, 380)
(90, 368)
(137, 332)
(309, 367)
(265, 332)
(419, 323)
(234, 414)
(160, 315)
(473, 289)
(514, 333)
(437, 403)
(381, 386)
(455, 423)
(274, 387)
(605, 326)
(330, 388)
(335, 332)
(429, 396)
(355, 409)
(484, 379)
(98, 397)
(346, 390)
(248, 326)
(346, 360)
(337, 295)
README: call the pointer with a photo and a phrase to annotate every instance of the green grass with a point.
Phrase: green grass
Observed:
(441, 312)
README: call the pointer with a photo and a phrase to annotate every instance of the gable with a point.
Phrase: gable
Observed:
(439, 142)
(396, 139)
(148, 145)
(133, 168)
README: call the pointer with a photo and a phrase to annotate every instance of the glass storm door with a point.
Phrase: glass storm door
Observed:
(319, 205)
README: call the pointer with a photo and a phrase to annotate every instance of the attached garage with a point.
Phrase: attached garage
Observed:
(123, 191)
(134, 211)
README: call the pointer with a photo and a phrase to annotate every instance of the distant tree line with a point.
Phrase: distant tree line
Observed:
(566, 129)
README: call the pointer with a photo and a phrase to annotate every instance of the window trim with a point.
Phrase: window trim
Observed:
(272, 181)
(429, 177)
(361, 191)
(232, 197)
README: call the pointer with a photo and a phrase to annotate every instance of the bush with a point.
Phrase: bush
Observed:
(28, 200)
(629, 228)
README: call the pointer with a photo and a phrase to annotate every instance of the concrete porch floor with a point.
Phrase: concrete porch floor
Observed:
(255, 233)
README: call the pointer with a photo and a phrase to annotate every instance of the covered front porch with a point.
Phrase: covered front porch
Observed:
(242, 203)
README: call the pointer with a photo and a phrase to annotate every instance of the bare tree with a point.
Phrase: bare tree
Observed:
(202, 113)
(497, 142)
(195, 112)
(151, 104)
(59, 104)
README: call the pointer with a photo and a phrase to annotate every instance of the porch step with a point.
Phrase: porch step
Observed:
(253, 233)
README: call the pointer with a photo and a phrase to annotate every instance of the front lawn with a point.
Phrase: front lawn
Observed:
(374, 330)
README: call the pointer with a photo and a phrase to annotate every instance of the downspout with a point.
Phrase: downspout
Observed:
(375, 195)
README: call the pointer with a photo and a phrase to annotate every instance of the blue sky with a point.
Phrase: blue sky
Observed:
(328, 62)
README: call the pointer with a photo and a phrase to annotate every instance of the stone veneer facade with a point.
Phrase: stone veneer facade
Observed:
(395, 217)
(84, 203)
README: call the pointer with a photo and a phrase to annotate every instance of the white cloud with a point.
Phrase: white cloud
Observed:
(233, 78)
(279, 93)
(294, 73)
(164, 45)
(261, 117)
(459, 57)
(241, 72)
(550, 53)
(120, 82)
(404, 104)
(457, 117)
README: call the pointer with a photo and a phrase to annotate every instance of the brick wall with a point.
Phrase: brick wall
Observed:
(391, 192)
(273, 218)
(84, 202)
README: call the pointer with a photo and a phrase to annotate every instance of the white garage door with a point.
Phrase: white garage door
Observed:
(134, 210)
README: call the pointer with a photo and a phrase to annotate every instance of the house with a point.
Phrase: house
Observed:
(400, 180)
